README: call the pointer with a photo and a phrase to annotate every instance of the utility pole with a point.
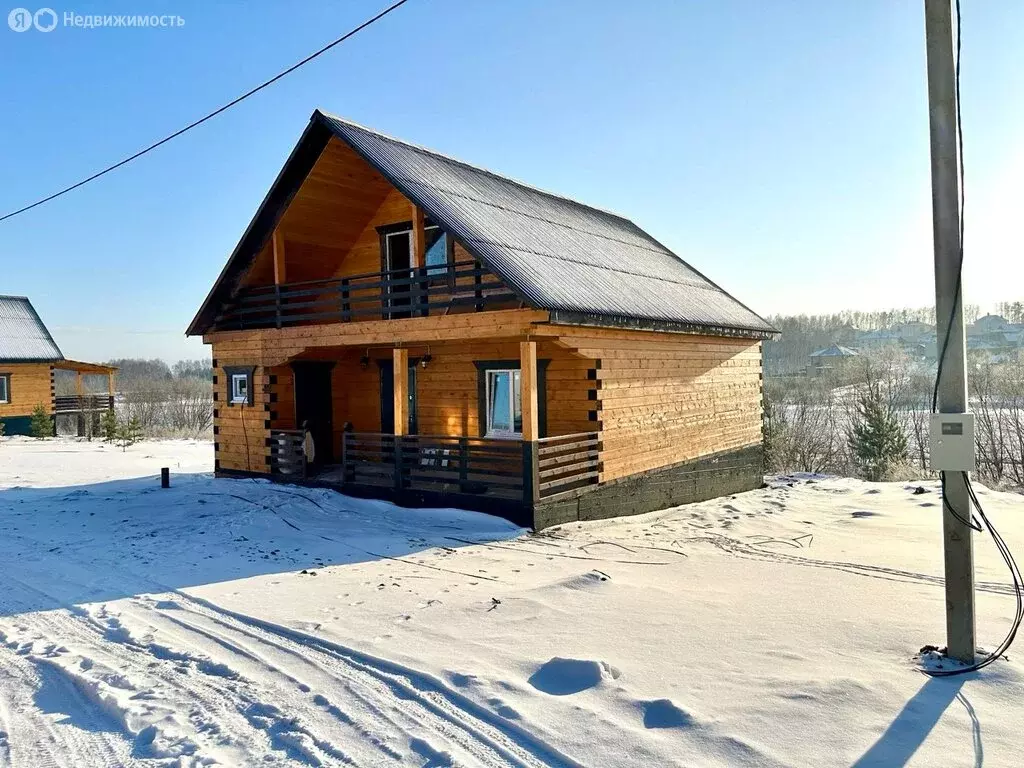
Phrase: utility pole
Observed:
(957, 541)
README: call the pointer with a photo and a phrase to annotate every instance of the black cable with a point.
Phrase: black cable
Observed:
(973, 523)
(219, 110)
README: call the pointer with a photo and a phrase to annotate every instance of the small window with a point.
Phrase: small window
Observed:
(239, 388)
(5, 387)
(504, 403)
(239, 379)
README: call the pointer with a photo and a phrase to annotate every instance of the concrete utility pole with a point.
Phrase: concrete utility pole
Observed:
(959, 547)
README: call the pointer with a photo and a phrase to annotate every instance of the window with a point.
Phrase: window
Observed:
(5, 387)
(239, 384)
(500, 398)
(504, 403)
(437, 250)
(239, 388)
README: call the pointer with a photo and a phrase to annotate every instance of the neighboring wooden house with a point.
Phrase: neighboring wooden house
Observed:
(834, 358)
(453, 337)
(29, 359)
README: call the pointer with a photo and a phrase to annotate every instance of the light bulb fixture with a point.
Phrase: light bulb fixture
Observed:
(364, 361)
(425, 360)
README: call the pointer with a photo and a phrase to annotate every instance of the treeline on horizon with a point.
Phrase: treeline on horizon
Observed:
(803, 334)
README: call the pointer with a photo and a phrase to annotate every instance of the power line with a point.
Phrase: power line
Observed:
(211, 115)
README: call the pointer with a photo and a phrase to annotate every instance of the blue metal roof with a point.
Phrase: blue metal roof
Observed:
(23, 337)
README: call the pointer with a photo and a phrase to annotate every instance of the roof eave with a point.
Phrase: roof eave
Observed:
(572, 317)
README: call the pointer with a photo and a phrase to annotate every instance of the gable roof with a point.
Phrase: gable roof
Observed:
(836, 350)
(585, 265)
(23, 337)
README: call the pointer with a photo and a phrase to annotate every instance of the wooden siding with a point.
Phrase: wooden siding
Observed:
(330, 228)
(240, 431)
(668, 398)
(31, 385)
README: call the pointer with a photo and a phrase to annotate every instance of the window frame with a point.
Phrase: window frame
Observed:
(483, 367)
(5, 398)
(233, 373)
(490, 375)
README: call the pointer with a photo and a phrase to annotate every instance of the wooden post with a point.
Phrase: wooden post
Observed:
(528, 384)
(418, 289)
(419, 238)
(279, 267)
(279, 272)
(531, 423)
(401, 387)
(80, 392)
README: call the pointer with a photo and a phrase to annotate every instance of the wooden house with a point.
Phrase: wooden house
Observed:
(29, 360)
(453, 337)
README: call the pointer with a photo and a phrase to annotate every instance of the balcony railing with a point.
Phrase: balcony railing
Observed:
(78, 403)
(491, 467)
(417, 292)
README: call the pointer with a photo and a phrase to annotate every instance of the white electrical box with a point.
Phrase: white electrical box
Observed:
(951, 439)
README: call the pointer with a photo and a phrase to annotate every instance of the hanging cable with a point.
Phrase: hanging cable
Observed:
(973, 522)
(211, 115)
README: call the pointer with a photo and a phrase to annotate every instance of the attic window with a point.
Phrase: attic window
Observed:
(5, 387)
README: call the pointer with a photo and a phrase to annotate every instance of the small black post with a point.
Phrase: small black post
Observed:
(344, 450)
(463, 462)
(345, 306)
(165, 477)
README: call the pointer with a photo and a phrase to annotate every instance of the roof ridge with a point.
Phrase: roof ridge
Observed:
(473, 166)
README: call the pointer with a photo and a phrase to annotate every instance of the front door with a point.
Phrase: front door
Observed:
(387, 397)
(314, 406)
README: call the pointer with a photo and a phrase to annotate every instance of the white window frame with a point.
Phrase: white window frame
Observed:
(236, 396)
(5, 388)
(513, 373)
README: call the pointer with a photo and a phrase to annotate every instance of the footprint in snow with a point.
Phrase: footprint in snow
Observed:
(662, 713)
(562, 677)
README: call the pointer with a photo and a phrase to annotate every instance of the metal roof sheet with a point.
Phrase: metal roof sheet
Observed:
(23, 337)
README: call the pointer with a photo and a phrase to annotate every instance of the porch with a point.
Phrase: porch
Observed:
(507, 476)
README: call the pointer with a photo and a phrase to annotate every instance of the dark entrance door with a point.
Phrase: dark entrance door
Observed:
(396, 243)
(314, 404)
(387, 397)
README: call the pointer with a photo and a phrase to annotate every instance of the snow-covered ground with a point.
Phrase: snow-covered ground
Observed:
(240, 623)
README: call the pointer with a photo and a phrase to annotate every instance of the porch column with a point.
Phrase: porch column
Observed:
(401, 377)
(531, 428)
(110, 388)
(528, 382)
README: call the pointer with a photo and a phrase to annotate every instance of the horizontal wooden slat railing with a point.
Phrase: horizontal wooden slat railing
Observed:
(415, 292)
(73, 403)
(466, 465)
(567, 462)
(287, 456)
(492, 467)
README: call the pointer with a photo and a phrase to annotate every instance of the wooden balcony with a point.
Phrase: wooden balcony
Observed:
(457, 287)
(82, 403)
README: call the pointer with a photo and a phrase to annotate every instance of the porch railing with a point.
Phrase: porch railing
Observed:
(399, 293)
(504, 469)
(567, 462)
(287, 456)
(74, 403)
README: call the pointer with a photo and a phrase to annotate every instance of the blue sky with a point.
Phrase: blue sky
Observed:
(779, 147)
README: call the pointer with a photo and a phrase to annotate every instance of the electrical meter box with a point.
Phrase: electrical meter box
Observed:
(951, 440)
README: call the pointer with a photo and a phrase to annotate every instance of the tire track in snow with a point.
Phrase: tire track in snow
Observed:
(483, 735)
